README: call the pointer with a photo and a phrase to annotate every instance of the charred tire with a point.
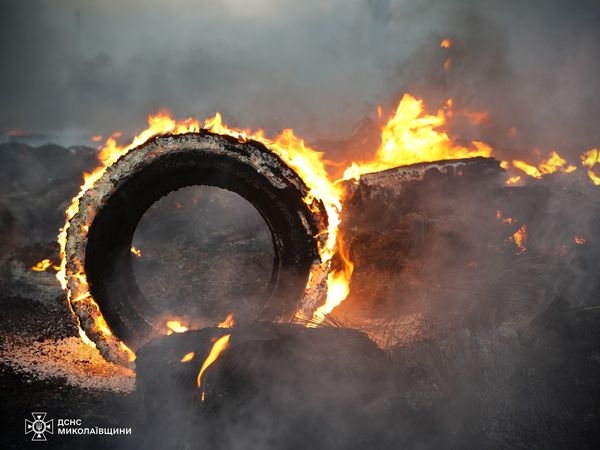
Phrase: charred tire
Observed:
(100, 235)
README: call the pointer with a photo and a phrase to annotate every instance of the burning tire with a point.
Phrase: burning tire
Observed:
(103, 291)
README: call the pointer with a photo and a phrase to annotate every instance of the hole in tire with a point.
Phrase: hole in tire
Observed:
(205, 252)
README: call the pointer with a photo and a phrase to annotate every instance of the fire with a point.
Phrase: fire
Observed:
(411, 136)
(338, 288)
(580, 240)
(550, 165)
(187, 357)
(446, 43)
(589, 160)
(136, 251)
(175, 326)
(218, 347)
(520, 239)
(229, 322)
(43, 265)
(96, 138)
(307, 162)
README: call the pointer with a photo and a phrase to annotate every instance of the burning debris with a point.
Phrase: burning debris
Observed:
(441, 251)
(222, 384)
(428, 282)
(99, 243)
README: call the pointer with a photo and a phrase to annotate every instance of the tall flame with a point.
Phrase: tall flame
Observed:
(411, 136)
(218, 347)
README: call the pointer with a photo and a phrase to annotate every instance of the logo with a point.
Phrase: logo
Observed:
(39, 426)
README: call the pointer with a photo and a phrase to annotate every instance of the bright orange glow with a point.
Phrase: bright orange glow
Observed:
(446, 43)
(218, 347)
(589, 160)
(530, 170)
(86, 340)
(42, 266)
(307, 162)
(175, 326)
(413, 136)
(338, 287)
(520, 239)
(550, 165)
(503, 219)
(130, 354)
(580, 240)
(187, 357)
(136, 251)
(229, 322)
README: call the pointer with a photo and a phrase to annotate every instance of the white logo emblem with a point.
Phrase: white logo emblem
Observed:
(39, 426)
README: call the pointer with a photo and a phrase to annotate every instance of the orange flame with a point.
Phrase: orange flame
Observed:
(520, 239)
(413, 136)
(550, 165)
(218, 347)
(175, 326)
(136, 251)
(229, 322)
(446, 43)
(338, 287)
(187, 357)
(580, 240)
(589, 160)
(307, 162)
(42, 266)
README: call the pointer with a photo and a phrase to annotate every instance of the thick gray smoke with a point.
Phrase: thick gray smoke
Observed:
(316, 66)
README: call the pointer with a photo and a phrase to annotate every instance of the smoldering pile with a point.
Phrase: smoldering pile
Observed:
(274, 386)
(485, 341)
(484, 297)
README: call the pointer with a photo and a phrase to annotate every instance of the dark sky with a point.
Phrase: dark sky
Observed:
(317, 66)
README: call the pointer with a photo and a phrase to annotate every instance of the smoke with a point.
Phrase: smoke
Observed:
(318, 67)
(490, 348)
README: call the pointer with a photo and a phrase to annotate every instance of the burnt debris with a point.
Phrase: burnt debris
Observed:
(487, 344)
(113, 207)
